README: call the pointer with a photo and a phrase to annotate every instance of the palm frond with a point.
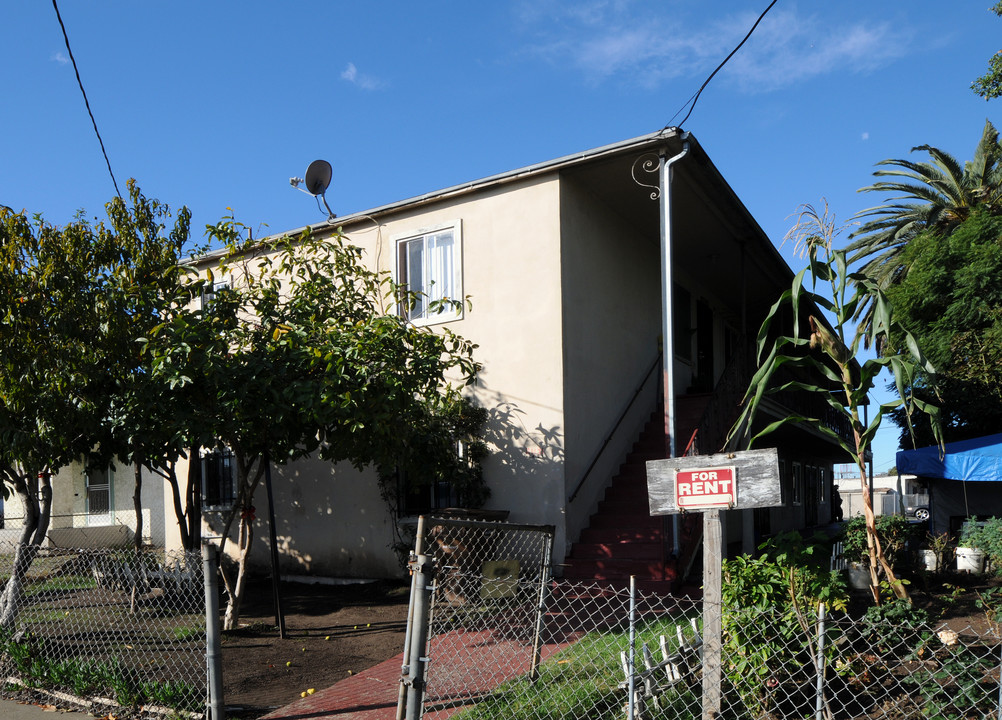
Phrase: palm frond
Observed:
(937, 195)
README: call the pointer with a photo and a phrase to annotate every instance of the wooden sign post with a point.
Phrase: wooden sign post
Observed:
(708, 483)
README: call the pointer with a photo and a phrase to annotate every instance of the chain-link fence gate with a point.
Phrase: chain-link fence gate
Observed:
(477, 602)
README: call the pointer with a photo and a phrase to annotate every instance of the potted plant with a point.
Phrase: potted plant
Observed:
(984, 537)
(856, 553)
(933, 556)
(970, 548)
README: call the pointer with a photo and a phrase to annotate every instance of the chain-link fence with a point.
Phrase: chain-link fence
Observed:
(113, 623)
(522, 646)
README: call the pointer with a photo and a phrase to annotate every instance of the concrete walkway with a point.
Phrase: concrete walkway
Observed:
(10, 710)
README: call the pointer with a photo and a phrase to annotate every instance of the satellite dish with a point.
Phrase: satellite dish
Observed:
(318, 177)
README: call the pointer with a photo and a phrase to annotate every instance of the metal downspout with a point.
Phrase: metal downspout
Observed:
(667, 303)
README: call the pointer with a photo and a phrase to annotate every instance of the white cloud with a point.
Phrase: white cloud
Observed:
(366, 82)
(624, 39)
(60, 58)
(865, 136)
(791, 48)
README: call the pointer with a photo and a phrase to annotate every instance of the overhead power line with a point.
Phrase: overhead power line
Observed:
(695, 97)
(86, 102)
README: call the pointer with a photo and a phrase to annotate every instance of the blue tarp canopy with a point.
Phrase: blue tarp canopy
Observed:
(979, 459)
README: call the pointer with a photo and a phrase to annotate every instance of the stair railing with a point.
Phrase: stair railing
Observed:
(626, 411)
(723, 408)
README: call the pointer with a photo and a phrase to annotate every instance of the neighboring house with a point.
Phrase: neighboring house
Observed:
(95, 509)
(892, 494)
(964, 480)
(562, 261)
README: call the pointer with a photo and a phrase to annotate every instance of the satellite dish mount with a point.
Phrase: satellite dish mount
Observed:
(318, 179)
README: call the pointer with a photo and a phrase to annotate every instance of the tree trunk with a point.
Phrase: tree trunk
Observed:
(194, 495)
(874, 547)
(37, 505)
(232, 615)
(876, 552)
(249, 474)
(170, 475)
(139, 583)
(43, 492)
(137, 505)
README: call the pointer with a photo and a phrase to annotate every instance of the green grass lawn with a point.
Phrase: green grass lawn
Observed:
(582, 681)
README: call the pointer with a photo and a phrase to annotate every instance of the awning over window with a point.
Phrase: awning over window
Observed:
(979, 459)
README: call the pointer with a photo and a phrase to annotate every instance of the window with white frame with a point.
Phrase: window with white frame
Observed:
(798, 484)
(429, 264)
(212, 291)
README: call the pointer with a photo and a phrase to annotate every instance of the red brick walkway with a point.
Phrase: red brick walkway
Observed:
(484, 663)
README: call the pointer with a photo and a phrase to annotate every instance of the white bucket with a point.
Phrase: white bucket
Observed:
(859, 576)
(929, 560)
(970, 560)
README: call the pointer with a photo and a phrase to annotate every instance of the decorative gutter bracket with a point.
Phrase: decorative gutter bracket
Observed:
(651, 164)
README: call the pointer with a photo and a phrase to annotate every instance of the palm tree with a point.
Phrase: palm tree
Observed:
(936, 196)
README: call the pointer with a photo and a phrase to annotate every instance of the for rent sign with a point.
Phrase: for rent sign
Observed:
(712, 487)
(710, 482)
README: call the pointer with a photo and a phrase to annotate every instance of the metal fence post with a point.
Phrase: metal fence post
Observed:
(819, 701)
(541, 599)
(631, 681)
(998, 706)
(405, 668)
(423, 570)
(213, 648)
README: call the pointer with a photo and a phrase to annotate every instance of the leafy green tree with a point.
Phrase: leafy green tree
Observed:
(826, 359)
(298, 356)
(989, 85)
(951, 300)
(148, 424)
(66, 295)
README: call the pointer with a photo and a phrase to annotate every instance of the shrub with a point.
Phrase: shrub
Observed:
(769, 606)
(894, 532)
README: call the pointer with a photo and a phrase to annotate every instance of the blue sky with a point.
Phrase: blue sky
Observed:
(216, 105)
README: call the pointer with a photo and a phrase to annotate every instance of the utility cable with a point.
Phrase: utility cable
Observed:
(86, 102)
(695, 98)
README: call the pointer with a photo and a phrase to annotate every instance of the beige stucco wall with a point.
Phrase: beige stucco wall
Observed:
(331, 520)
(511, 271)
(611, 280)
(69, 504)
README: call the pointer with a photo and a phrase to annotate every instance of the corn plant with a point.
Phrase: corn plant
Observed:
(823, 358)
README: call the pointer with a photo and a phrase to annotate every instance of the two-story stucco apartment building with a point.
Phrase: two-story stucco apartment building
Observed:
(562, 261)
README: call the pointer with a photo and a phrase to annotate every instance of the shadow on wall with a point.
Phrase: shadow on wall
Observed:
(526, 469)
(329, 520)
(517, 448)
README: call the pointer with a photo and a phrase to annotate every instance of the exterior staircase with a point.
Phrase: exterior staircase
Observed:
(622, 539)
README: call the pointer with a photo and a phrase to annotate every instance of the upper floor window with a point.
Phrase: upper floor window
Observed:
(211, 292)
(429, 264)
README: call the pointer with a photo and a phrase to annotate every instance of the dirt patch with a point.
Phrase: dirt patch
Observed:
(332, 631)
